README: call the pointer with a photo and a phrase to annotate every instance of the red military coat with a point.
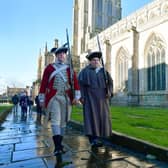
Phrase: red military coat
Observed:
(46, 87)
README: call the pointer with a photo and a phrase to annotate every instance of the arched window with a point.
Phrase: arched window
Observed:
(156, 67)
(98, 14)
(122, 70)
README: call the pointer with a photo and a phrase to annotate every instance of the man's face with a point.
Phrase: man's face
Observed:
(61, 57)
(95, 62)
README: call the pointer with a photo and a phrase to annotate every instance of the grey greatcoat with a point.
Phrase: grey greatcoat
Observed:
(96, 103)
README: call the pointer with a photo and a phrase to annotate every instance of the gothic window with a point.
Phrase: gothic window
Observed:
(108, 14)
(156, 67)
(98, 9)
(99, 6)
(109, 8)
(122, 71)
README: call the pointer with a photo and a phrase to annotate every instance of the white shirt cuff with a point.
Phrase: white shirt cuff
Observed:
(77, 94)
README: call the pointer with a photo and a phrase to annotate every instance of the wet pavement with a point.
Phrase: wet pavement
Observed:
(24, 144)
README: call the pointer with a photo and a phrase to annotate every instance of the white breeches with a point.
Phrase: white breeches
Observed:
(60, 110)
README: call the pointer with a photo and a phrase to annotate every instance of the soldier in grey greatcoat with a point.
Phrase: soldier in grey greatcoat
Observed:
(95, 99)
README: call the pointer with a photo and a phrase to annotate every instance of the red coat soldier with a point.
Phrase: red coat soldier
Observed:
(56, 95)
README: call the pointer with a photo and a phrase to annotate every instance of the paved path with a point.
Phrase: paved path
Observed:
(23, 144)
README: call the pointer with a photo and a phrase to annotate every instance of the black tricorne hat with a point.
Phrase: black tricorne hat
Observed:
(61, 49)
(53, 50)
(94, 54)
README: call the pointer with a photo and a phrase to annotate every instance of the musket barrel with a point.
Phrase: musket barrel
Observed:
(70, 64)
(104, 71)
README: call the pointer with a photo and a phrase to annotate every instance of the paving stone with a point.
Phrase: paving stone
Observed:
(29, 145)
(35, 138)
(6, 148)
(50, 161)
(29, 154)
(9, 141)
(33, 163)
(5, 157)
(138, 162)
(64, 160)
(6, 153)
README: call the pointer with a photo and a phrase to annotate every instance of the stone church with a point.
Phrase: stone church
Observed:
(134, 48)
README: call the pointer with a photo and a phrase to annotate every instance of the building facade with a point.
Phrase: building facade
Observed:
(11, 91)
(135, 53)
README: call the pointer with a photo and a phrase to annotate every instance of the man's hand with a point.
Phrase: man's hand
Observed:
(75, 102)
(82, 100)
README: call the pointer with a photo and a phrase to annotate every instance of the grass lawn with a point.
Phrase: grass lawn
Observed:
(145, 123)
(4, 107)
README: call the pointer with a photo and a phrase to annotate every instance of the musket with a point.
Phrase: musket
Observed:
(70, 64)
(104, 71)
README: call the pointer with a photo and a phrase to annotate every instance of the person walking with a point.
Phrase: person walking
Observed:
(30, 104)
(95, 99)
(24, 104)
(38, 110)
(56, 95)
(15, 101)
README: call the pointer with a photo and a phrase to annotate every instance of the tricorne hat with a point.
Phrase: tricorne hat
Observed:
(53, 50)
(61, 49)
(94, 54)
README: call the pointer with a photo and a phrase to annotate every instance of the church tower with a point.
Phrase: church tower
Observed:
(91, 17)
(103, 14)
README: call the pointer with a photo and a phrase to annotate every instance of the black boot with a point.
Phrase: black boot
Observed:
(38, 119)
(57, 143)
(61, 146)
(94, 141)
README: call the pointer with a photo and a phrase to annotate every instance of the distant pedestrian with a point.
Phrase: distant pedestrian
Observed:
(15, 101)
(24, 103)
(38, 110)
(30, 104)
